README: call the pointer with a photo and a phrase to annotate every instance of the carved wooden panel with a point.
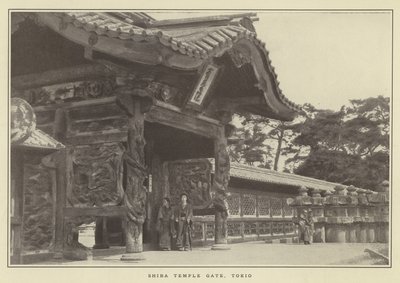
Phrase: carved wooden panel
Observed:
(97, 175)
(234, 229)
(210, 232)
(197, 231)
(99, 119)
(73, 91)
(264, 228)
(192, 177)
(277, 228)
(38, 202)
(289, 228)
(250, 228)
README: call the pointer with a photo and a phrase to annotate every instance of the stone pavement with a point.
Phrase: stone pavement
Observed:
(246, 254)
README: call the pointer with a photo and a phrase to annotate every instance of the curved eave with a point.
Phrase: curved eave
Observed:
(100, 32)
(39, 140)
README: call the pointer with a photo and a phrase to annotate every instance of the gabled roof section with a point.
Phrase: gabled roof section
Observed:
(185, 44)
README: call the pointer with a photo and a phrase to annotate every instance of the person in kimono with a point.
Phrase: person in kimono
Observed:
(183, 221)
(305, 223)
(165, 225)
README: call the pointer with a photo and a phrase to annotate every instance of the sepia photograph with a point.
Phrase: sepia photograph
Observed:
(200, 138)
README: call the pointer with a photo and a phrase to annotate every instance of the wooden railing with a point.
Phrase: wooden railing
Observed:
(252, 217)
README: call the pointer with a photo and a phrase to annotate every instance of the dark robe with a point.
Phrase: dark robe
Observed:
(164, 225)
(183, 220)
(306, 228)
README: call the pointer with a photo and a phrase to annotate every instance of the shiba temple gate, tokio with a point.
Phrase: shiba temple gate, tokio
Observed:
(126, 95)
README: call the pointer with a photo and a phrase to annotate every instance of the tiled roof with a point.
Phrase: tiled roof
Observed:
(40, 140)
(274, 177)
(194, 41)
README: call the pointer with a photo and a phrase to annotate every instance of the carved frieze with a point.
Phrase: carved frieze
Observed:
(192, 177)
(97, 175)
(66, 92)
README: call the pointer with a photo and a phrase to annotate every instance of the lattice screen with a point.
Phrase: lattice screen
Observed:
(276, 207)
(249, 205)
(287, 210)
(234, 204)
(263, 206)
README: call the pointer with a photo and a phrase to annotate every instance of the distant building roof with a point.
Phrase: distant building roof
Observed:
(274, 177)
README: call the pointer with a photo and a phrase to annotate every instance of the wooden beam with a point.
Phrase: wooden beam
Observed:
(95, 211)
(183, 121)
(60, 76)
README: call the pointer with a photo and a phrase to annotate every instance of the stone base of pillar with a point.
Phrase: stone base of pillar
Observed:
(220, 247)
(132, 257)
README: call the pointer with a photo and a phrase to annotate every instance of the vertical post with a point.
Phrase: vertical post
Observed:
(220, 191)
(101, 233)
(135, 102)
(61, 177)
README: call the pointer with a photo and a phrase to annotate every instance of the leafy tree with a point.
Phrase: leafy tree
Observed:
(349, 146)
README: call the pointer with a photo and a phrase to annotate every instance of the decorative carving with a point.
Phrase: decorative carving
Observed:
(135, 191)
(197, 231)
(97, 175)
(165, 93)
(192, 177)
(23, 120)
(38, 224)
(221, 177)
(238, 58)
(234, 229)
(104, 126)
(264, 228)
(66, 92)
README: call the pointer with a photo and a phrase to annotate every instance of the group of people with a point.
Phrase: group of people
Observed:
(174, 225)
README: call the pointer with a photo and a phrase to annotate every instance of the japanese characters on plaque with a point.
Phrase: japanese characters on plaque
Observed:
(203, 86)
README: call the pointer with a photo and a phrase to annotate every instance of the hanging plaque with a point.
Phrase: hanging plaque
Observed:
(203, 86)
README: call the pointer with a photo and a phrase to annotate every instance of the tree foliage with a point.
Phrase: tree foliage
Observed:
(349, 146)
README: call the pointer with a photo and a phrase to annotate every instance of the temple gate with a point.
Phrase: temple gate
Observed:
(131, 98)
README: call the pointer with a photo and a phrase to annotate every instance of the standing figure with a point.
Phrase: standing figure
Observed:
(183, 220)
(306, 224)
(165, 225)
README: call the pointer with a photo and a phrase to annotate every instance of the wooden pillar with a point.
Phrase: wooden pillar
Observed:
(135, 102)
(61, 177)
(220, 191)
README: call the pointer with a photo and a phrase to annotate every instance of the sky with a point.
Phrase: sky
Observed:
(323, 58)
